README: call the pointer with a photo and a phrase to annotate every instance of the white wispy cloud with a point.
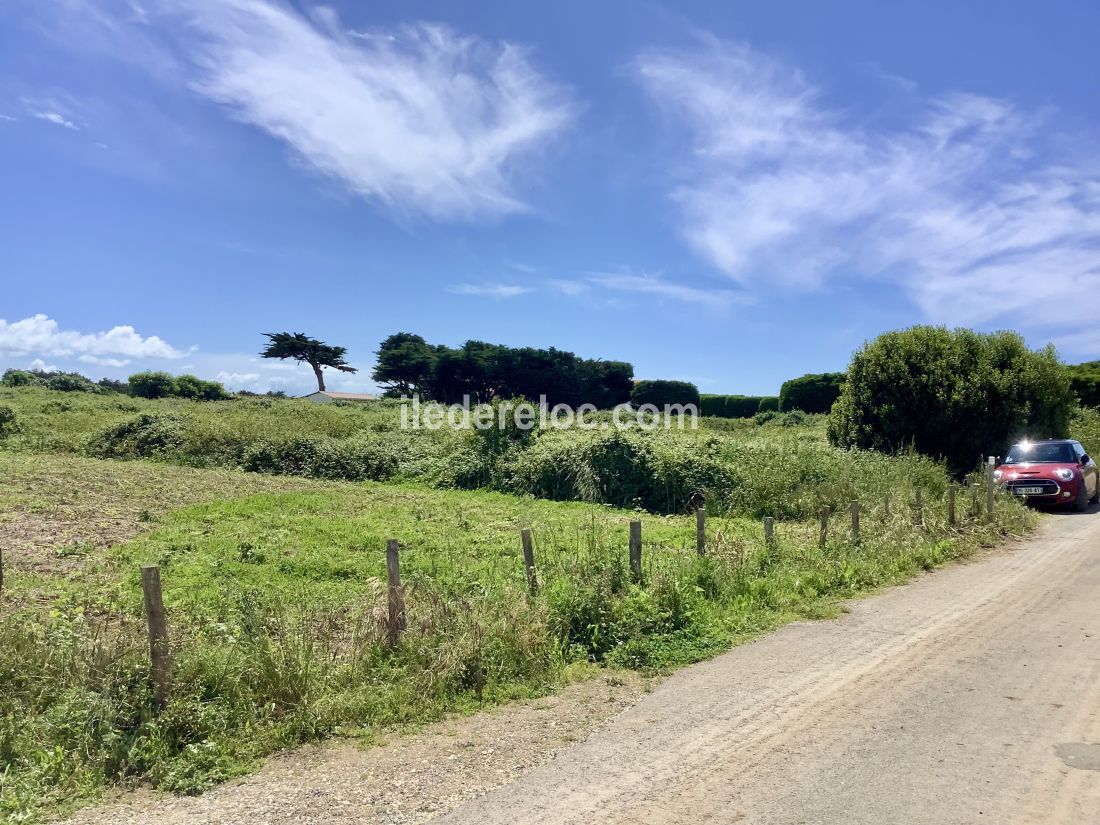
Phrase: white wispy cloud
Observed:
(568, 286)
(102, 361)
(489, 290)
(57, 119)
(42, 335)
(781, 189)
(423, 119)
(42, 366)
(663, 288)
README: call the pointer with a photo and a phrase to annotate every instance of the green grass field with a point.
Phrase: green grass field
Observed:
(274, 584)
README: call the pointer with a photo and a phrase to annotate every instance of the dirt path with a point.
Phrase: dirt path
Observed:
(971, 695)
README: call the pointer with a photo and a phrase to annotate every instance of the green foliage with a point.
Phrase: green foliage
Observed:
(305, 350)
(813, 393)
(145, 436)
(712, 405)
(405, 365)
(737, 406)
(196, 389)
(18, 378)
(71, 382)
(1084, 380)
(955, 395)
(742, 406)
(662, 394)
(353, 459)
(1084, 426)
(152, 384)
(483, 371)
(9, 423)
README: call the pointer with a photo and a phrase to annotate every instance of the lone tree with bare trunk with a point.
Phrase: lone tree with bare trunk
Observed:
(307, 350)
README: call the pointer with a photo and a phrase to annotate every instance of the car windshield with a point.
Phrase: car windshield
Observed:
(1041, 454)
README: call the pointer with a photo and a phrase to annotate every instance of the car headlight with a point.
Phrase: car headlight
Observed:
(998, 475)
(1064, 473)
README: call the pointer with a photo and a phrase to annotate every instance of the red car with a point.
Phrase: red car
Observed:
(1050, 472)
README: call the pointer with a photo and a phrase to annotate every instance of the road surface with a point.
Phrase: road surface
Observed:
(971, 695)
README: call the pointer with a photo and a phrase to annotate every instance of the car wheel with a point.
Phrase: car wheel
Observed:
(1082, 502)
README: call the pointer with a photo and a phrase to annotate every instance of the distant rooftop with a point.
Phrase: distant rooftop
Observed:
(343, 396)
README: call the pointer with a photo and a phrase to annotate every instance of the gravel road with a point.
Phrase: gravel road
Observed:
(971, 695)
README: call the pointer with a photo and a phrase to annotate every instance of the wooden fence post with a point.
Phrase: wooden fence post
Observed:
(855, 522)
(823, 532)
(989, 487)
(886, 505)
(951, 517)
(769, 531)
(701, 531)
(159, 654)
(636, 550)
(396, 596)
(529, 562)
(918, 508)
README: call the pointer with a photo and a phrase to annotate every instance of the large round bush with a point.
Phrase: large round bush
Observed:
(951, 394)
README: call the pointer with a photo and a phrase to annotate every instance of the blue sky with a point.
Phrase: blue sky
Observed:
(729, 193)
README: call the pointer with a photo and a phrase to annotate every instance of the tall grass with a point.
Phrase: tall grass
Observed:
(276, 604)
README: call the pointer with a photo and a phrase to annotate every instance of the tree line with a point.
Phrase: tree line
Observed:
(407, 365)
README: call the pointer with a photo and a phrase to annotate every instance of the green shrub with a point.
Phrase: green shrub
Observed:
(664, 393)
(70, 382)
(955, 395)
(1084, 380)
(1085, 427)
(18, 378)
(353, 459)
(150, 384)
(813, 393)
(742, 406)
(8, 422)
(144, 436)
(769, 402)
(196, 389)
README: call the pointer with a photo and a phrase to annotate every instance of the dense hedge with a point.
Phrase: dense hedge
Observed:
(664, 393)
(813, 393)
(737, 406)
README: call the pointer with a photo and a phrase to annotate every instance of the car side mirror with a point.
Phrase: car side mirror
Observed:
(1085, 460)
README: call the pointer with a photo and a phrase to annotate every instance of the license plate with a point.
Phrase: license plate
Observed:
(1028, 491)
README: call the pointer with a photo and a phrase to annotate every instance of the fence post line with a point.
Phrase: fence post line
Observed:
(701, 531)
(855, 522)
(951, 517)
(396, 593)
(989, 486)
(769, 531)
(159, 654)
(823, 532)
(529, 562)
(918, 508)
(636, 550)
